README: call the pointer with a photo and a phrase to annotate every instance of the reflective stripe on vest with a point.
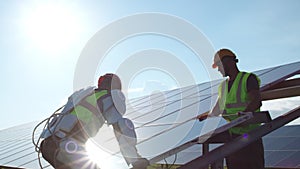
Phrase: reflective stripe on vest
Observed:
(239, 102)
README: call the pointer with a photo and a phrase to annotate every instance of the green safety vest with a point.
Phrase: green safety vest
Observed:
(88, 113)
(236, 100)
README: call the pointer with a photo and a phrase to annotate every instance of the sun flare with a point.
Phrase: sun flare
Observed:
(94, 152)
(51, 26)
(103, 159)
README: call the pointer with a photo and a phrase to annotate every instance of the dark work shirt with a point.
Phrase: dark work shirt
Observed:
(252, 83)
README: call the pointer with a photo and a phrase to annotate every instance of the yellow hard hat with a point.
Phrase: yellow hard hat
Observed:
(220, 55)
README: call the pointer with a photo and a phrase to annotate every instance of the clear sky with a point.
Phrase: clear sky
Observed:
(41, 42)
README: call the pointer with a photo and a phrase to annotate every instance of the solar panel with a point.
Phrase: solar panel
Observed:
(290, 160)
(164, 121)
(282, 147)
(274, 75)
(16, 148)
(267, 76)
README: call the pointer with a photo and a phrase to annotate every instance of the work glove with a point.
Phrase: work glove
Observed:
(141, 163)
(202, 117)
(243, 113)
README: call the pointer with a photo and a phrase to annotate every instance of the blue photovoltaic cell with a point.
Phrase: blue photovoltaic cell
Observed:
(279, 73)
(290, 160)
(272, 158)
(288, 131)
(275, 143)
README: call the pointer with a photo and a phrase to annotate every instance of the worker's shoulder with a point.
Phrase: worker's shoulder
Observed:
(250, 75)
(115, 95)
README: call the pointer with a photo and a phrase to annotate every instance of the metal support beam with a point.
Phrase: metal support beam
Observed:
(286, 83)
(284, 89)
(205, 150)
(280, 81)
(240, 142)
(281, 93)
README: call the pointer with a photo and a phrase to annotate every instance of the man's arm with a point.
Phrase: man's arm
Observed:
(253, 94)
(214, 112)
(255, 101)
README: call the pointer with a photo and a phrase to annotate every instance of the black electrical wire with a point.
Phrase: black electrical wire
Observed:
(171, 165)
(37, 143)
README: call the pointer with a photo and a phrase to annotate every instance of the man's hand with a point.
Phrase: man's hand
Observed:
(202, 117)
(243, 113)
(142, 163)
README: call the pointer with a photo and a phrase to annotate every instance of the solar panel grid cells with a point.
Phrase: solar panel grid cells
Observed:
(291, 160)
(16, 146)
(154, 127)
(162, 128)
(274, 75)
(282, 147)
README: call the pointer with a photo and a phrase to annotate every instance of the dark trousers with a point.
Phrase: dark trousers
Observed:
(79, 159)
(249, 157)
(49, 150)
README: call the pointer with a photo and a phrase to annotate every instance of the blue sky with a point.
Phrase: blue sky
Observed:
(41, 42)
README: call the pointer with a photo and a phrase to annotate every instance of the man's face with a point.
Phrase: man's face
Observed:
(221, 69)
(224, 65)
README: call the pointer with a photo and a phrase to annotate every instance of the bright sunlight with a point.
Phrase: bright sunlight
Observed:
(51, 26)
(103, 159)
